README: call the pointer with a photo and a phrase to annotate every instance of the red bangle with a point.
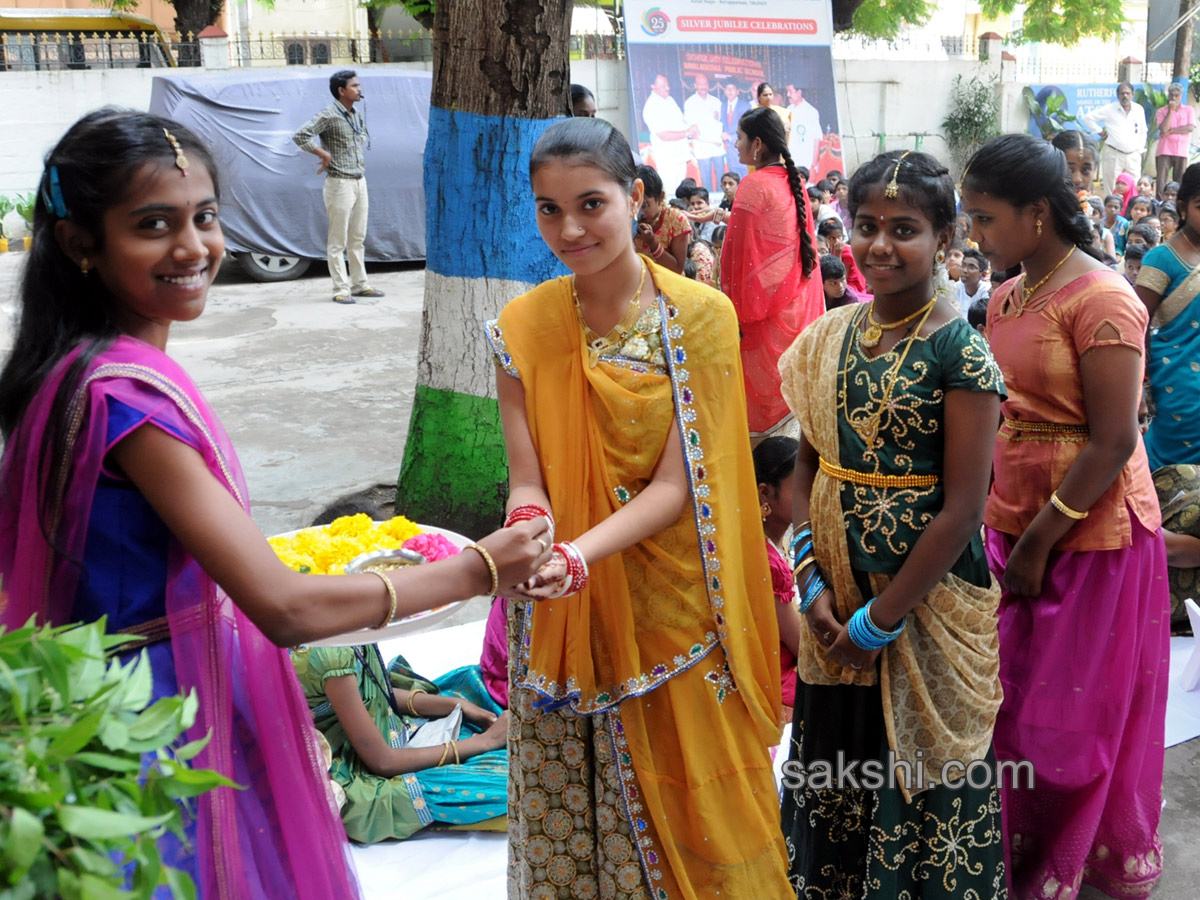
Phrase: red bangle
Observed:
(577, 571)
(659, 252)
(528, 511)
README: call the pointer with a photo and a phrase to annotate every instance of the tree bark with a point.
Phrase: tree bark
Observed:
(1183, 45)
(193, 16)
(501, 74)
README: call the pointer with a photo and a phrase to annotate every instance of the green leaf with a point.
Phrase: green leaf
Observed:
(114, 734)
(193, 782)
(192, 749)
(181, 884)
(99, 824)
(25, 833)
(74, 738)
(1054, 103)
(93, 887)
(108, 761)
(1031, 102)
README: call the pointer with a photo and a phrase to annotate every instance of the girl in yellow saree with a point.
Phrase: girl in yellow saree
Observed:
(644, 658)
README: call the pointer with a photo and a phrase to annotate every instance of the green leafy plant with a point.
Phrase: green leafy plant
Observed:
(6, 206)
(1048, 113)
(1151, 99)
(972, 118)
(90, 770)
(24, 204)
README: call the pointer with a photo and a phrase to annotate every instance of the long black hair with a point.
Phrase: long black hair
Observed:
(1021, 169)
(764, 124)
(591, 141)
(87, 172)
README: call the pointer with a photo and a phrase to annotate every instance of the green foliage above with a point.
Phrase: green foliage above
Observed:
(887, 18)
(75, 791)
(1062, 21)
(23, 204)
(972, 119)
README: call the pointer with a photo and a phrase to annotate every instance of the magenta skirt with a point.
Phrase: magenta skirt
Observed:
(1084, 669)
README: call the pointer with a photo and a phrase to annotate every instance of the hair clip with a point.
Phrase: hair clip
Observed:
(963, 180)
(52, 194)
(181, 161)
(892, 191)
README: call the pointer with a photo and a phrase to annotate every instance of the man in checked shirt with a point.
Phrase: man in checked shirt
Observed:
(342, 132)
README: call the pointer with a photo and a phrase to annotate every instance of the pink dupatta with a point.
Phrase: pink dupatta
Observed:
(281, 836)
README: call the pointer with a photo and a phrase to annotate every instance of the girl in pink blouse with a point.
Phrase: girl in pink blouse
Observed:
(1073, 532)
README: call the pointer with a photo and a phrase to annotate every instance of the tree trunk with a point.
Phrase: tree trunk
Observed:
(1183, 45)
(501, 75)
(193, 16)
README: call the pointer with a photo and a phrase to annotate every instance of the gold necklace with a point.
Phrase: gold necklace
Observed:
(1027, 295)
(1183, 231)
(868, 427)
(875, 329)
(597, 343)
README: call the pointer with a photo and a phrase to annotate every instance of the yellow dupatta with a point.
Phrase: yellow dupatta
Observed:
(940, 678)
(660, 607)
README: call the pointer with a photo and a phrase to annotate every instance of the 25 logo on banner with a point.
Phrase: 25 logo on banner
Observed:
(655, 22)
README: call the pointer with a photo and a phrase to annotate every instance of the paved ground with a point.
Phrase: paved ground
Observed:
(316, 398)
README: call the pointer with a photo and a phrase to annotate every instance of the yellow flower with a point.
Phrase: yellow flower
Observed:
(326, 549)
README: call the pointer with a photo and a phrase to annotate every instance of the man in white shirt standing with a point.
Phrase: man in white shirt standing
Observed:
(669, 134)
(703, 111)
(1122, 127)
(805, 134)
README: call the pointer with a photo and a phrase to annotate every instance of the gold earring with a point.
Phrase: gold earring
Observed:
(84, 267)
(756, 154)
(1039, 227)
(766, 511)
(940, 256)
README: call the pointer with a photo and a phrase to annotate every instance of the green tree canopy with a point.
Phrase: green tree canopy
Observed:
(1053, 21)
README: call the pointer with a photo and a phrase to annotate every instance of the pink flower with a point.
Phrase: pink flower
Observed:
(431, 546)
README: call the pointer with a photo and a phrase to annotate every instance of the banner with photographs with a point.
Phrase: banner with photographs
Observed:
(695, 66)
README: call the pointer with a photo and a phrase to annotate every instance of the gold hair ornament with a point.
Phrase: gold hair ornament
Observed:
(181, 161)
(892, 191)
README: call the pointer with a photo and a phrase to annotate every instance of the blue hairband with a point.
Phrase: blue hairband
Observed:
(52, 196)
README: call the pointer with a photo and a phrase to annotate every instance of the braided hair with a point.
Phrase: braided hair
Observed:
(1021, 169)
(766, 125)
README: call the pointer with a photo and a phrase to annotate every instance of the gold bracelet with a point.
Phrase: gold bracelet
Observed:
(804, 564)
(412, 709)
(391, 589)
(457, 761)
(1066, 510)
(445, 754)
(491, 564)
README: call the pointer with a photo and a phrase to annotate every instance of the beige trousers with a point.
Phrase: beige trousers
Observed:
(346, 205)
(1113, 162)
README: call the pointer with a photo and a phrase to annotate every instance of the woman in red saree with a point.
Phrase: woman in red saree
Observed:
(767, 264)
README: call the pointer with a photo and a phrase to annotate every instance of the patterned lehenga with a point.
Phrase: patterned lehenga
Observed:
(934, 693)
(643, 708)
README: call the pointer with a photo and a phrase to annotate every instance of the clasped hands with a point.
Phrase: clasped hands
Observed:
(835, 637)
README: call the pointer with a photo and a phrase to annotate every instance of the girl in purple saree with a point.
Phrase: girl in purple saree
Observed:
(121, 495)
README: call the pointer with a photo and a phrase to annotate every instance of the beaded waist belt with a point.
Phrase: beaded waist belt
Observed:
(1044, 431)
(875, 479)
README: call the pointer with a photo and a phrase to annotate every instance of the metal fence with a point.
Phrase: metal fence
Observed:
(1033, 63)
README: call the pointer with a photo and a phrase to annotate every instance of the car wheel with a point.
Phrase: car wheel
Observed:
(269, 267)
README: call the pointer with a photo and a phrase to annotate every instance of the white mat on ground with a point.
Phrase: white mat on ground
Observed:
(1183, 707)
(469, 865)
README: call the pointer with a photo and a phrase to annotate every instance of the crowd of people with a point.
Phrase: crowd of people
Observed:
(874, 457)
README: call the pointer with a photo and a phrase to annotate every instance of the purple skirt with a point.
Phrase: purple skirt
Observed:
(1084, 669)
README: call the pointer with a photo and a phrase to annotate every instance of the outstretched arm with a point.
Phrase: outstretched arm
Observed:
(291, 608)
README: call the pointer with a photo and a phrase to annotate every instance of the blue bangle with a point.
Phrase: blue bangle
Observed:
(814, 589)
(799, 555)
(797, 538)
(865, 634)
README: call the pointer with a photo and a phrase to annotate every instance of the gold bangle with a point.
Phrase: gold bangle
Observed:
(1066, 510)
(491, 564)
(412, 709)
(445, 754)
(391, 589)
(457, 761)
(804, 564)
